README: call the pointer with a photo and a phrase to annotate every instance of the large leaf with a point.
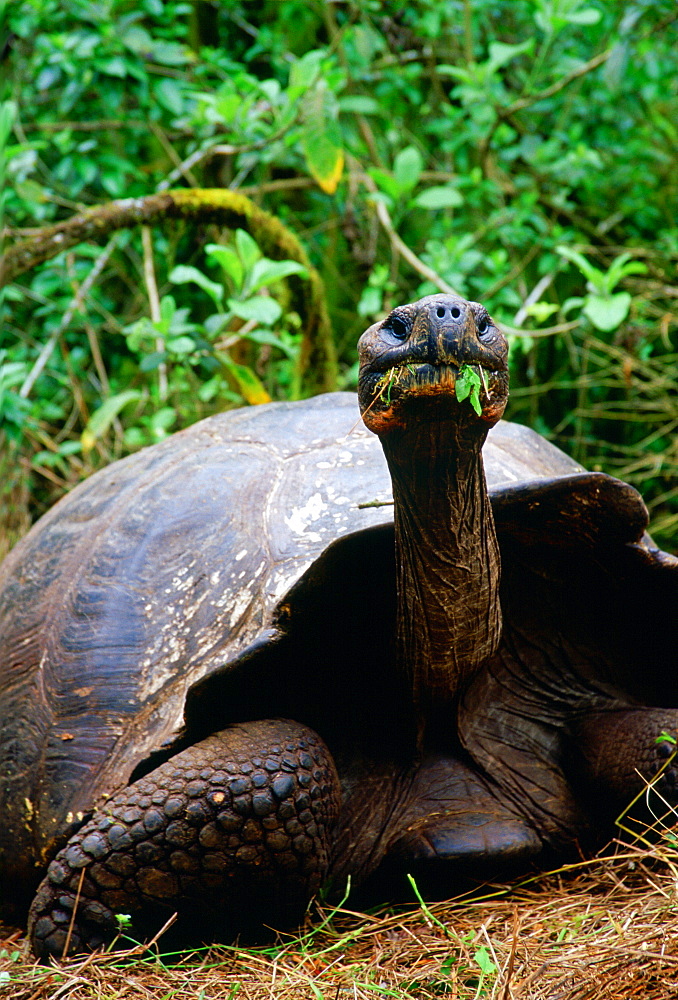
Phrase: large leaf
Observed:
(386, 182)
(268, 272)
(260, 308)
(501, 53)
(607, 312)
(324, 158)
(229, 260)
(247, 382)
(248, 249)
(183, 274)
(407, 168)
(443, 196)
(266, 337)
(101, 419)
(321, 139)
(591, 273)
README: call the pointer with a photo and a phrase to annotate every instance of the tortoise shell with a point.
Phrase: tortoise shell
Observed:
(196, 558)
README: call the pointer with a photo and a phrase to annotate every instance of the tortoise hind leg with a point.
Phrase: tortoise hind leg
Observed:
(618, 752)
(234, 829)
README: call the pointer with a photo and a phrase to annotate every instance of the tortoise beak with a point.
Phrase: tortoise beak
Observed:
(419, 352)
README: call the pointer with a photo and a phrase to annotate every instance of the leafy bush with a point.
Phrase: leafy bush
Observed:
(522, 154)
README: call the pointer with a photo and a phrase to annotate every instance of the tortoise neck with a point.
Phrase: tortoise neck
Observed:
(448, 564)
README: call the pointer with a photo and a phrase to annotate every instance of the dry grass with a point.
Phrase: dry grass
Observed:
(605, 929)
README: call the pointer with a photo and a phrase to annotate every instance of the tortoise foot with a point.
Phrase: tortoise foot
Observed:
(233, 830)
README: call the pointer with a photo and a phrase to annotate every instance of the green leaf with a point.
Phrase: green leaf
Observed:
(137, 40)
(501, 54)
(321, 139)
(359, 104)
(229, 260)
(456, 72)
(620, 267)
(151, 361)
(261, 309)
(168, 308)
(7, 115)
(590, 272)
(407, 168)
(247, 248)
(268, 272)
(116, 66)
(462, 388)
(607, 312)
(181, 345)
(215, 324)
(467, 385)
(484, 962)
(171, 53)
(267, 337)
(444, 196)
(101, 419)
(385, 182)
(305, 71)
(183, 274)
(586, 16)
(247, 382)
(169, 94)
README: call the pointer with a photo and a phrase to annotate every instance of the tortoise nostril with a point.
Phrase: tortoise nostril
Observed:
(442, 311)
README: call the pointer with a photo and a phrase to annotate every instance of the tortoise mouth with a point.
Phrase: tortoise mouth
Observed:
(467, 390)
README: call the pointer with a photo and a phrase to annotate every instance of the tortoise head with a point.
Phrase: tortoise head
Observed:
(441, 349)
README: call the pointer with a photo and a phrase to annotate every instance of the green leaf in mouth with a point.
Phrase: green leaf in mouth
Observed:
(467, 385)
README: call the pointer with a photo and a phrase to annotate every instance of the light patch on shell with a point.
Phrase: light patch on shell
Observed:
(239, 607)
(241, 555)
(280, 583)
(301, 517)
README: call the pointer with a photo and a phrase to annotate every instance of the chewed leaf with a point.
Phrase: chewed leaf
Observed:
(467, 385)
(462, 389)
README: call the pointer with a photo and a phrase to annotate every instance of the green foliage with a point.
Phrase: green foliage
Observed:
(468, 385)
(523, 154)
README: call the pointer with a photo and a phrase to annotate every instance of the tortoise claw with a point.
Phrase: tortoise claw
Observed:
(61, 924)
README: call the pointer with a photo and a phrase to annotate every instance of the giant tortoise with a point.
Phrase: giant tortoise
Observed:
(223, 684)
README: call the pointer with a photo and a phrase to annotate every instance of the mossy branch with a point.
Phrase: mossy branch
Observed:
(317, 363)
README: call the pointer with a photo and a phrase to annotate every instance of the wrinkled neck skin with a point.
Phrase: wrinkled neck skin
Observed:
(448, 566)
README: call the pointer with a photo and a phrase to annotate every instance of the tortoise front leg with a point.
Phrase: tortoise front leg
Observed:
(620, 751)
(235, 827)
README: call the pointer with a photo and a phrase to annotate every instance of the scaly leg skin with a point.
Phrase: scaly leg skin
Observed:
(236, 825)
(623, 750)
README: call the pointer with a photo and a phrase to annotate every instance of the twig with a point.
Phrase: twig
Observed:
(405, 252)
(512, 955)
(154, 303)
(526, 102)
(75, 304)
(71, 925)
(534, 296)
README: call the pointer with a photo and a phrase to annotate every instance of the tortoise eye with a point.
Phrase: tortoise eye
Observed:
(398, 327)
(483, 324)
